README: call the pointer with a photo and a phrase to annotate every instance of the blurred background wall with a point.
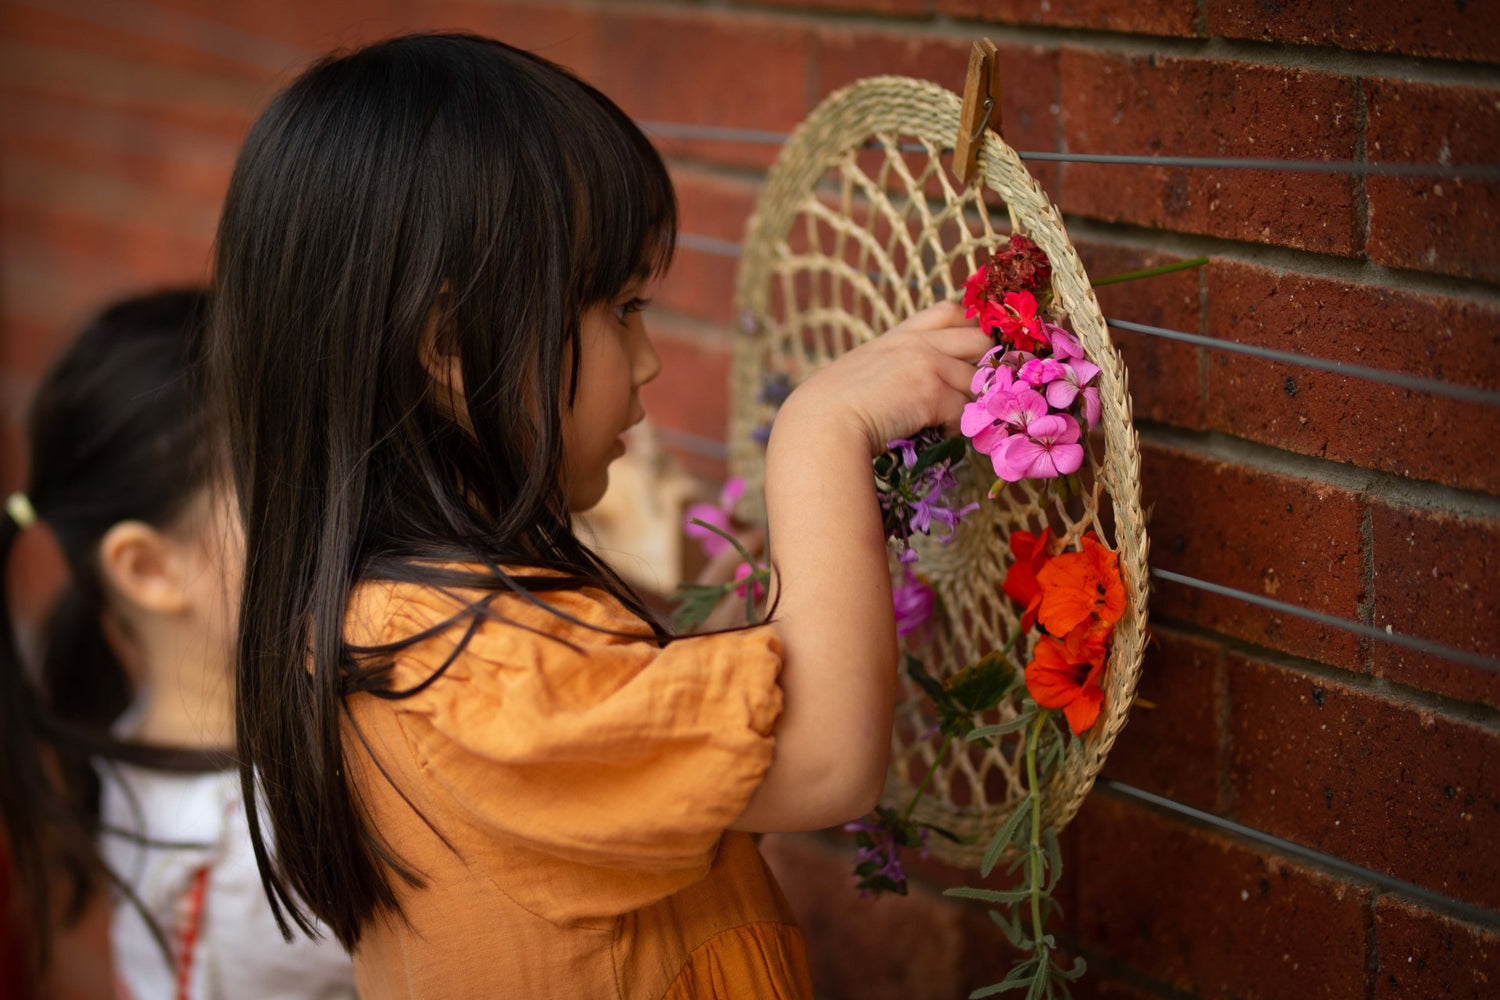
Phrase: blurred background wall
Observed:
(1363, 776)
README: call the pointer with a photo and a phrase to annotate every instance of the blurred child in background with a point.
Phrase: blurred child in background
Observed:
(119, 776)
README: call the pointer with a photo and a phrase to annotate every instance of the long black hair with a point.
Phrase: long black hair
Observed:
(115, 432)
(431, 192)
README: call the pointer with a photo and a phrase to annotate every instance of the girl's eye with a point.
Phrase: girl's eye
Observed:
(624, 310)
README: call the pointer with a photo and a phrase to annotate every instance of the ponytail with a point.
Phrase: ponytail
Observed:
(115, 433)
(46, 835)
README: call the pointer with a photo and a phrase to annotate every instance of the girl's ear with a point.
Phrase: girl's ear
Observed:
(145, 567)
(442, 363)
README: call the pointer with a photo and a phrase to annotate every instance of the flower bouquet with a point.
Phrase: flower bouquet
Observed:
(1004, 716)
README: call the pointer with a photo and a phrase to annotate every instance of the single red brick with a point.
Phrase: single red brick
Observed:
(707, 68)
(1294, 540)
(1424, 954)
(850, 939)
(1164, 380)
(1216, 108)
(900, 8)
(1433, 223)
(1174, 747)
(1169, 17)
(1348, 418)
(1209, 916)
(1435, 575)
(701, 281)
(1377, 782)
(1446, 31)
(1028, 112)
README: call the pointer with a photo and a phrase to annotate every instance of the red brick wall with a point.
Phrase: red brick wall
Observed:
(1372, 503)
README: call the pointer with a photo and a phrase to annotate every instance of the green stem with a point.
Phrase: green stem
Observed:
(912, 805)
(1150, 272)
(1032, 739)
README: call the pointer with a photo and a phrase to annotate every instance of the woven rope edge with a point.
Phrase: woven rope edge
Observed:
(915, 107)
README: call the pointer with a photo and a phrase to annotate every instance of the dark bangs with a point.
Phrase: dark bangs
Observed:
(625, 208)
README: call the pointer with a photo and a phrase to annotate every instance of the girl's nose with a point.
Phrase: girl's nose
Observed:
(645, 364)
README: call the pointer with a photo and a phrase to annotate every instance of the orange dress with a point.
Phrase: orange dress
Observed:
(567, 806)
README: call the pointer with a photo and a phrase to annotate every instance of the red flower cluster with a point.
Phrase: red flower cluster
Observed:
(1077, 597)
(1009, 292)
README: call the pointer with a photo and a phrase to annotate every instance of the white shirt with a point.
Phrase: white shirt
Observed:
(182, 844)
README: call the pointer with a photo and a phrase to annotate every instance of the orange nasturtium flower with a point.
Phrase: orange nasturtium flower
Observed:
(1020, 584)
(1077, 586)
(1056, 682)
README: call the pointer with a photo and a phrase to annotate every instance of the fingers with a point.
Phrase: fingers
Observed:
(966, 342)
(936, 316)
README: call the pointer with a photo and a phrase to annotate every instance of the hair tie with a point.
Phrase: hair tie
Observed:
(18, 506)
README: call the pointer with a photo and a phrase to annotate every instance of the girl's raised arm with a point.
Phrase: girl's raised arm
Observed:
(834, 612)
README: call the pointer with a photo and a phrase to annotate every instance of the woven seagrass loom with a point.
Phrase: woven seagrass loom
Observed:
(861, 224)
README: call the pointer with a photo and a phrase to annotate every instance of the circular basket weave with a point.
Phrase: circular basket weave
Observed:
(861, 224)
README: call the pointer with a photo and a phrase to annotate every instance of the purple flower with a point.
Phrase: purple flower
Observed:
(912, 600)
(907, 448)
(719, 516)
(880, 839)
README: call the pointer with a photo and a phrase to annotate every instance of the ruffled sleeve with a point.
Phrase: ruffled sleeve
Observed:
(599, 772)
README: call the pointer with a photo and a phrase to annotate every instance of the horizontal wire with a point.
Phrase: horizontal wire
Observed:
(695, 444)
(1403, 380)
(1437, 387)
(1386, 634)
(1435, 900)
(1464, 171)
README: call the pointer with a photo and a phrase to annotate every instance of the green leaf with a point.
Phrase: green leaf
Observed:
(946, 834)
(1020, 975)
(695, 602)
(1054, 859)
(946, 450)
(1008, 726)
(1011, 926)
(1149, 272)
(1005, 835)
(1078, 969)
(927, 682)
(980, 686)
(1039, 982)
(989, 895)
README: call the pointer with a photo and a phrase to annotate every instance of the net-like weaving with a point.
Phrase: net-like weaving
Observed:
(860, 224)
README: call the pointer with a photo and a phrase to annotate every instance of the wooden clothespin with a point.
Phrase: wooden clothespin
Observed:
(981, 108)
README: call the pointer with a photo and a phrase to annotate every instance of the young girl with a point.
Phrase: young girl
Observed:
(486, 769)
(141, 795)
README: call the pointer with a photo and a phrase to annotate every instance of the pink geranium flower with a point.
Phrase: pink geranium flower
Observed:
(743, 574)
(1009, 411)
(1074, 375)
(1042, 371)
(1047, 449)
(719, 516)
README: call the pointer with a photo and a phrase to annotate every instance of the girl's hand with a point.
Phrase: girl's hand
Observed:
(917, 375)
